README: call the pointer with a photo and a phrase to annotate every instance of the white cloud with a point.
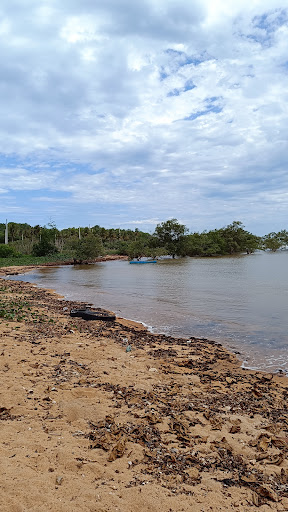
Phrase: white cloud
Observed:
(22, 179)
(178, 104)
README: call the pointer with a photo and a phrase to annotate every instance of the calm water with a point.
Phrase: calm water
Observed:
(239, 301)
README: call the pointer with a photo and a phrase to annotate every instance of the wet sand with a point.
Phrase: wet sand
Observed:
(103, 417)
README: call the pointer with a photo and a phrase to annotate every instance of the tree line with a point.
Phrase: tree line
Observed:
(169, 238)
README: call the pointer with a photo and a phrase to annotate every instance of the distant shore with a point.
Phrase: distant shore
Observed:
(22, 269)
(107, 417)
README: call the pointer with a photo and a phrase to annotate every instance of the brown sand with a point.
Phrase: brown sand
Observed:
(169, 426)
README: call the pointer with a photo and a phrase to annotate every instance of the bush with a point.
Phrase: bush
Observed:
(44, 248)
(6, 251)
(88, 248)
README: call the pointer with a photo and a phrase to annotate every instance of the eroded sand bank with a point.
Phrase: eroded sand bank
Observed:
(172, 425)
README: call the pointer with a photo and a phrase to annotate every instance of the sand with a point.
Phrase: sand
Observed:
(171, 425)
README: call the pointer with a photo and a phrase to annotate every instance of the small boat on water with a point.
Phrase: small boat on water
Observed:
(89, 314)
(143, 261)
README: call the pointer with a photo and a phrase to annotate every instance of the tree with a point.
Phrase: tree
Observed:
(88, 248)
(171, 235)
(139, 247)
(232, 239)
(237, 239)
(283, 236)
(2, 232)
(272, 241)
(204, 244)
(13, 231)
(46, 246)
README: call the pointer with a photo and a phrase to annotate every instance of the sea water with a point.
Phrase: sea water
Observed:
(239, 301)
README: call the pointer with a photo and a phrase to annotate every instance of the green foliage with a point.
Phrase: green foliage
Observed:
(44, 248)
(138, 249)
(232, 239)
(171, 236)
(283, 236)
(204, 244)
(274, 241)
(16, 231)
(7, 251)
(118, 247)
(13, 310)
(46, 245)
(88, 248)
(140, 246)
(2, 232)
(20, 311)
(238, 240)
(36, 244)
(24, 260)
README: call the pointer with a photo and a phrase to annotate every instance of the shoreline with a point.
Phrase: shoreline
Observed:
(15, 270)
(23, 269)
(7, 271)
(95, 426)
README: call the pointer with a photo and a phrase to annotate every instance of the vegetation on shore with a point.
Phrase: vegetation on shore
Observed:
(29, 245)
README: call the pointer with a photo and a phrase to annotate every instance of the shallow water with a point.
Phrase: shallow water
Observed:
(239, 301)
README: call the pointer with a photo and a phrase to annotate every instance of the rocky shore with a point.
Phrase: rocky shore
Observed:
(107, 417)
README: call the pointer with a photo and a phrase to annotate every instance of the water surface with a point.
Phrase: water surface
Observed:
(239, 301)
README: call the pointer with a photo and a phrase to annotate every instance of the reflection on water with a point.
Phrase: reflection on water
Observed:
(240, 301)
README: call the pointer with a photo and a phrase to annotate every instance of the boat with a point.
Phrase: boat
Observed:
(144, 261)
(89, 314)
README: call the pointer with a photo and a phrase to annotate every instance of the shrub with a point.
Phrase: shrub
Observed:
(44, 248)
(6, 251)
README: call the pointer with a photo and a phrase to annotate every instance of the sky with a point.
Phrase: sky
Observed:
(126, 113)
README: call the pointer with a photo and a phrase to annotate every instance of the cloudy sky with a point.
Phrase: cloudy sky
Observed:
(125, 113)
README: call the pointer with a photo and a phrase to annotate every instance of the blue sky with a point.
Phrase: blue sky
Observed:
(126, 113)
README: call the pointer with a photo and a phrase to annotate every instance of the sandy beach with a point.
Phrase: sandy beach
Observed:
(107, 417)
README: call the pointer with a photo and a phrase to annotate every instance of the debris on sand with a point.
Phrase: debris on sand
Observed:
(173, 421)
